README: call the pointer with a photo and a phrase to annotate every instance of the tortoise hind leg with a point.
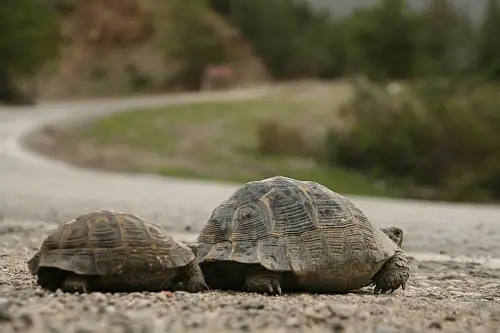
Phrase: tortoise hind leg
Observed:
(261, 280)
(193, 278)
(50, 278)
(75, 283)
(393, 274)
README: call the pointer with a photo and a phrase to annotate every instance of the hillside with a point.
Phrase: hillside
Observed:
(116, 47)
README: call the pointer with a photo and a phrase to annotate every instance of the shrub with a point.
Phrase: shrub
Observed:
(437, 134)
(275, 138)
(138, 81)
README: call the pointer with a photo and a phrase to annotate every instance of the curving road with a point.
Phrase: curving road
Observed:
(34, 187)
(36, 193)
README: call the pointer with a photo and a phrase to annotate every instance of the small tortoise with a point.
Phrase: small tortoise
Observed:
(281, 233)
(116, 252)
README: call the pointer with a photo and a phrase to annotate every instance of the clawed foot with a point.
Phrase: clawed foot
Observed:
(75, 284)
(388, 283)
(263, 284)
(196, 285)
(392, 275)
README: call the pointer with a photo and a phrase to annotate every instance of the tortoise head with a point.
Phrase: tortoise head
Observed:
(394, 233)
(191, 245)
(34, 262)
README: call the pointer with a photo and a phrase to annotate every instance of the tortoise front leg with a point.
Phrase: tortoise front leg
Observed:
(193, 278)
(75, 283)
(393, 274)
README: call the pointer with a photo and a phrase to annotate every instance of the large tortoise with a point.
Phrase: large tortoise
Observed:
(116, 252)
(284, 234)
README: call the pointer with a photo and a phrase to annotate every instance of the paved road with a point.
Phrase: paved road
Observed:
(36, 193)
(33, 187)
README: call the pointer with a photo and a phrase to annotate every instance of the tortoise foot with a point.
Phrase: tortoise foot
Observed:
(392, 275)
(194, 279)
(75, 284)
(263, 281)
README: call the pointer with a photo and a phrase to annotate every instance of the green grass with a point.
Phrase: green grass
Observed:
(218, 140)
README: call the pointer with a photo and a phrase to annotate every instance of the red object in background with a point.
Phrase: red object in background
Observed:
(219, 71)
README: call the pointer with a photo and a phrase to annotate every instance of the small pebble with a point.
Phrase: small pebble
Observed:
(5, 305)
(435, 324)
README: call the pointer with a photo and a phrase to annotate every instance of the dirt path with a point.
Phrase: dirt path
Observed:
(443, 296)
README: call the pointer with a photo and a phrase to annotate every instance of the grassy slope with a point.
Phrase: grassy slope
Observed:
(218, 140)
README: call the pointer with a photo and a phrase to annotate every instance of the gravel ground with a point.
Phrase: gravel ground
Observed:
(443, 296)
(443, 293)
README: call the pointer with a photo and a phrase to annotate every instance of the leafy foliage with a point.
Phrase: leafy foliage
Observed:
(436, 134)
(488, 45)
(385, 41)
(378, 41)
(447, 40)
(29, 38)
(292, 39)
(29, 35)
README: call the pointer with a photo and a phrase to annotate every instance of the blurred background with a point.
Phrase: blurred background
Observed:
(388, 98)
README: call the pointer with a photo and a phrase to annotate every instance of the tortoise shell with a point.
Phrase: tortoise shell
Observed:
(125, 248)
(294, 226)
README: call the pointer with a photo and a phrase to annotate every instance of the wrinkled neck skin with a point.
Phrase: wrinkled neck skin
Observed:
(192, 246)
